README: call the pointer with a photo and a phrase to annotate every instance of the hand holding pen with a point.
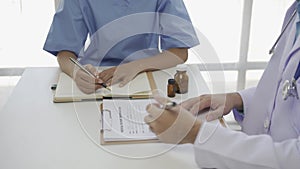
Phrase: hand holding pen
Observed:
(87, 78)
(171, 122)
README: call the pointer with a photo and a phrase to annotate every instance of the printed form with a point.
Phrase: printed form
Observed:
(123, 120)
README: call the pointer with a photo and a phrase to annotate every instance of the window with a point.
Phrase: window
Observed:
(235, 29)
(220, 22)
(267, 18)
(24, 26)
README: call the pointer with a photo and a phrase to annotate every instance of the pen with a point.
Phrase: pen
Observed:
(86, 71)
(169, 105)
(53, 87)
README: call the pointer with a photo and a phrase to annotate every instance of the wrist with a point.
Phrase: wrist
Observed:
(191, 137)
(237, 101)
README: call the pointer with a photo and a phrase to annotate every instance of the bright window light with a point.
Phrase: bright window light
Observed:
(267, 19)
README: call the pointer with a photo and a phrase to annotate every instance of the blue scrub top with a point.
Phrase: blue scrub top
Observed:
(119, 30)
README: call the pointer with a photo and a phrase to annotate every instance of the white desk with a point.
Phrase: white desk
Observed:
(36, 133)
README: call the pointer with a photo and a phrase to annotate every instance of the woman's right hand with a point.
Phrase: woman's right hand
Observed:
(218, 104)
(85, 82)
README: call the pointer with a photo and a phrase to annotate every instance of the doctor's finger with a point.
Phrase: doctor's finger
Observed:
(198, 107)
(214, 114)
(190, 102)
(195, 109)
(202, 100)
(148, 119)
(151, 123)
(154, 111)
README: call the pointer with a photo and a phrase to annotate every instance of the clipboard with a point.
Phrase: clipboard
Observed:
(108, 116)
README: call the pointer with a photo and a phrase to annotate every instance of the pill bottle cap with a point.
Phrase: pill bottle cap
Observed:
(171, 81)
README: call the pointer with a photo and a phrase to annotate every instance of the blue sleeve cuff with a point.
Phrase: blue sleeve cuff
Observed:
(246, 96)
(169, 42)
(239, 116)
(68, 30)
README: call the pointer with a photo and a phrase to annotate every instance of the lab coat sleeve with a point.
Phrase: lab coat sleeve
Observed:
(246, 95)
(219, 147)
(68, 30)
(175, 25)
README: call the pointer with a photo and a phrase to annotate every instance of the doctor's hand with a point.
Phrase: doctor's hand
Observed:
(121, 74)
(85, 82)
(218, 104)
(175, 125)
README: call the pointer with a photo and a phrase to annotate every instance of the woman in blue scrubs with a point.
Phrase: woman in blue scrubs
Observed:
(131, 35)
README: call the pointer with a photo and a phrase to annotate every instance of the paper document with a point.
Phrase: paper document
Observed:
(67, 90)
(123, 120)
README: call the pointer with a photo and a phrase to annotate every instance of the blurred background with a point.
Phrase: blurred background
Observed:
(241, 32)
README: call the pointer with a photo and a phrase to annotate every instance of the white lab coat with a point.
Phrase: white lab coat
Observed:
(271, 126)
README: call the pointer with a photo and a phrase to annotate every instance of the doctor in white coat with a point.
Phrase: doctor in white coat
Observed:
(268, 114)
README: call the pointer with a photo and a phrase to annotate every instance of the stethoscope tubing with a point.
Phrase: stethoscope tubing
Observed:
(289, 88)
(282, 32)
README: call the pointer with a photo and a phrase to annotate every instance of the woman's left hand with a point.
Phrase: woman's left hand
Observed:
(119, 74)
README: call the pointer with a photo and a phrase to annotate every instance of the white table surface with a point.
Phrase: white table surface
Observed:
(36, 133)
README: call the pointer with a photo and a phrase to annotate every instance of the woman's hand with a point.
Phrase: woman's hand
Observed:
(175, 125)
(85, 82)
(219, 104)
(120, 74)
(126, 72)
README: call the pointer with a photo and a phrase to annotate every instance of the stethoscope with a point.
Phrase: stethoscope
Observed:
(271, 51)
(289, 87)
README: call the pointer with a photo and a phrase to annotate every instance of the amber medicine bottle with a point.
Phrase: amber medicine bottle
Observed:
(171, 88)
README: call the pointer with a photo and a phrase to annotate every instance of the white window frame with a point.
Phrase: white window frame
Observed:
(243, 65)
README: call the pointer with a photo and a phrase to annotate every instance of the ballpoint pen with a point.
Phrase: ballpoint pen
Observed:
(169, 105)
(87, 72)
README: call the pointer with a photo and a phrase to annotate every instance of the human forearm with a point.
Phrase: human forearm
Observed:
(64, 62)
(166, 59)
(236, 100)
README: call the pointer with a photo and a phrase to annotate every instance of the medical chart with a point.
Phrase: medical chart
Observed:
(123, 120)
